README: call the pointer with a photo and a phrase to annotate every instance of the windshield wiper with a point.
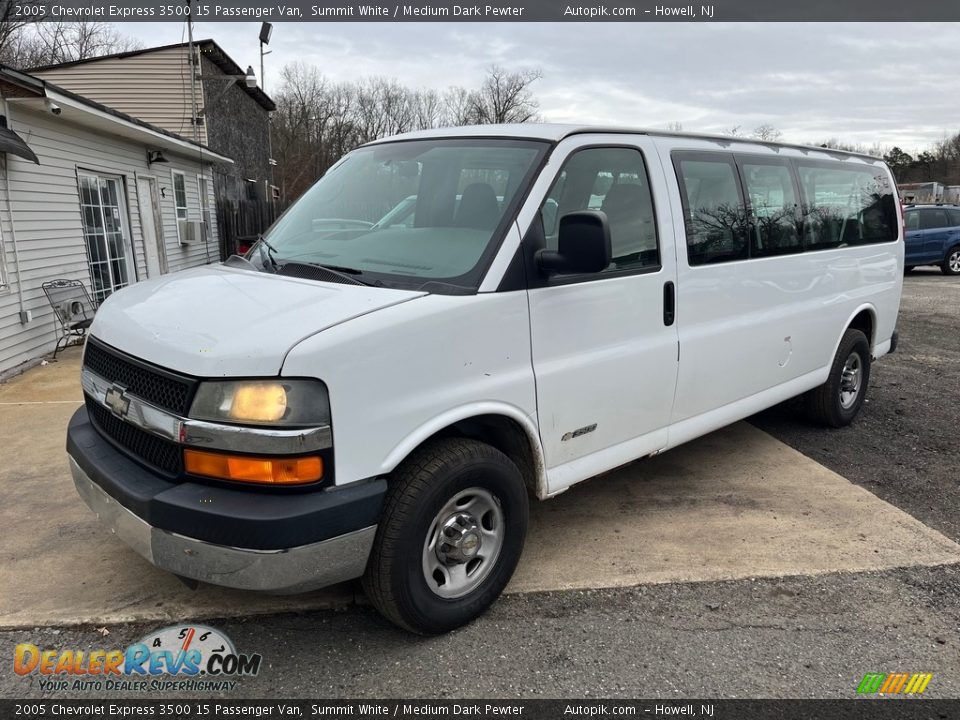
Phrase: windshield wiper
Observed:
(269, 254)
(347, 273)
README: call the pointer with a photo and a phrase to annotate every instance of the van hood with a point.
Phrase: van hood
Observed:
(217, 321)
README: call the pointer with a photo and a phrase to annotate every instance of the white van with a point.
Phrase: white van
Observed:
(452, 321)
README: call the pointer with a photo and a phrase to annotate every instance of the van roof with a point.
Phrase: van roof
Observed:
(949, 205)
(555, 132)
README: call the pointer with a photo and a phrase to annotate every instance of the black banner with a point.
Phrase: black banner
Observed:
(853, 709)
(484, 11)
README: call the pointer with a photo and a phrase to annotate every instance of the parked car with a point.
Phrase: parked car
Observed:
(382, 401)
(933, 237)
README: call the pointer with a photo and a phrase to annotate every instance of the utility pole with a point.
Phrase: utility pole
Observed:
(193, 74)
(266, 31)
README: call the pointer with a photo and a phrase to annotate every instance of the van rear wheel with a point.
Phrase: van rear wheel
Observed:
(837, 402)
(453, 527)
(951, 263)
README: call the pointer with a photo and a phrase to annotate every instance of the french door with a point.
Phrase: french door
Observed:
(106, 233)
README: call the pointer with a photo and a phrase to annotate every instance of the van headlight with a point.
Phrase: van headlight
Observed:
(263, 402)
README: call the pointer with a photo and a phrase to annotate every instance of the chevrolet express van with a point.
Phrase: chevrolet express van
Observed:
(379, 399)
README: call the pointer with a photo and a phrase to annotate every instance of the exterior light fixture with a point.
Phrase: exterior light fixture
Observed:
(266, 30)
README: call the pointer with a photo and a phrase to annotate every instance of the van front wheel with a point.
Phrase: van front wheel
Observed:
(837, 402)
(454, 522)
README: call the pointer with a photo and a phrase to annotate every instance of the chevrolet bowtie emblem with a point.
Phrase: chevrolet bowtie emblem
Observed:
(116, 400)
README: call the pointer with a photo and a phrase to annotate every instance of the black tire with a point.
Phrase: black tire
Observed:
(908, 269)
(824, 404)
(951, 261)
(395, 580)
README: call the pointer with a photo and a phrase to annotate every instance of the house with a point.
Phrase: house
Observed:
(219, 109)
(90, 193)
(922, 192)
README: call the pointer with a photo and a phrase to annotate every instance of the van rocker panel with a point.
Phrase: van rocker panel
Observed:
(234, 518)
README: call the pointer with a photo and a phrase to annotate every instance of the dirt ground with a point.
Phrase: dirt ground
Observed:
(903, 447)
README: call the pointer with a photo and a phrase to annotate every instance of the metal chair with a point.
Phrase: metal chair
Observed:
(74, 310)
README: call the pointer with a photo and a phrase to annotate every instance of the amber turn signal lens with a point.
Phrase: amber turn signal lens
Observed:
(240, 468)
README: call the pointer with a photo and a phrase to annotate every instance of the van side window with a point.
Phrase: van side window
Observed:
(912, 219)
(613, 180)
(714, 214)
(846, 205)
(933, 218)
(773, 207)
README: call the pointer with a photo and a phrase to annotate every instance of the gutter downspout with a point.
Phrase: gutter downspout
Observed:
(13, 229)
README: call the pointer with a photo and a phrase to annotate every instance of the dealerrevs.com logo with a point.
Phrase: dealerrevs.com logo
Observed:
(180, 657)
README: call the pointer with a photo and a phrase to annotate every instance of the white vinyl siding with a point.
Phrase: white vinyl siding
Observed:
(4, 285)
(47, 217)
(152, 86)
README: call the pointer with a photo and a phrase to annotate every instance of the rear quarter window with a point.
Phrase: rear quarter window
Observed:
(846, 204)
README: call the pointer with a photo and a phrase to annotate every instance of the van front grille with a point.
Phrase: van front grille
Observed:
(161, 455)
(159, 387)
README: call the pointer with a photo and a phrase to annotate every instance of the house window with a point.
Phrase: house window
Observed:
(105, 231)
(203, 190)
(180, 194)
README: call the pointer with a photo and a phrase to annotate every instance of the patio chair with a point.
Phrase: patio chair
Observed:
(74, 310)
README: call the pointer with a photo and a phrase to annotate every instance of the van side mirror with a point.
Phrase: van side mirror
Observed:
(583, 244)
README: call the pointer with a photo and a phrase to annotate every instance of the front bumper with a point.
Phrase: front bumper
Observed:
(238, 538)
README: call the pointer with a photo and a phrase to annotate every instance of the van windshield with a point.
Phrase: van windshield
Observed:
(407, 213)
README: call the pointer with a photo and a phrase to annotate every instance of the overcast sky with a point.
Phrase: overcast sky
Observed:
(893, 83)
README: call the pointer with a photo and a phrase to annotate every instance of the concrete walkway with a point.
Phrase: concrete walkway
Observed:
(731, 505)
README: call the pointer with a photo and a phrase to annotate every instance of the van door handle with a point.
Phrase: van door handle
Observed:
(669, 303)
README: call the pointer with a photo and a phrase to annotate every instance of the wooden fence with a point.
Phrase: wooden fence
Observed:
(240, 223)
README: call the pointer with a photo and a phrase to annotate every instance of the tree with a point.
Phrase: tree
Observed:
(675, 126)
(897, 158)
(51, 43)
(504, 97)
(13, 21)
(318, 121)
(767, 133)
(735, 131)
(948, 148)
(456, 107)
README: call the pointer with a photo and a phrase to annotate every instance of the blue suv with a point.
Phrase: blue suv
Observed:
(933, 237)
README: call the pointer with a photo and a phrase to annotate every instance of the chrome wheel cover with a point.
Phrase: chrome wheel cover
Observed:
(463, 543)
(851, 380)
